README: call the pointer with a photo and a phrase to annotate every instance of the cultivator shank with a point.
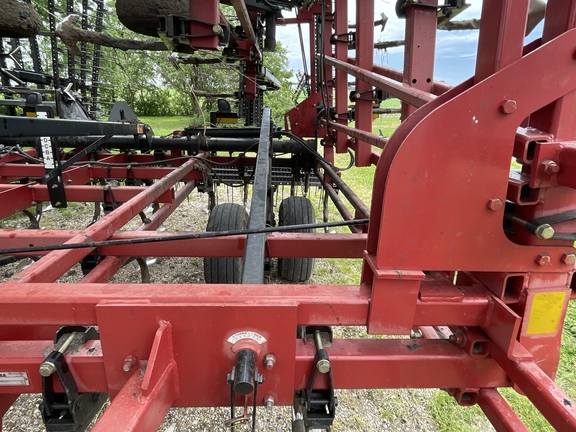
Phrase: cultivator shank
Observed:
(469, 260)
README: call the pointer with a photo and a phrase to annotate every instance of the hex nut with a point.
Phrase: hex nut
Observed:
(323, 366)
(129, 362)
(268, 401)
(545, 232)
(47, 369)
(508, 106)
(569, 258)
(549, 166)
(543, 259)
(269, 361)
(495, 204)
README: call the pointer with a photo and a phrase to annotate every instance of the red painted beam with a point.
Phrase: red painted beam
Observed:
(400, 363)
(365, 136)
(108, 267)
(52, 266)
(285, 245)
(402, 91)
(34, 304)
(500, 414)
(356, 363)
(87, 172)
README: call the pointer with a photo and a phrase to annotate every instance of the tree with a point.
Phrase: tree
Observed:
(146, 79)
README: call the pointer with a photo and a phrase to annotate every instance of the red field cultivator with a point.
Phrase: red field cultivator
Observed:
(473, 257)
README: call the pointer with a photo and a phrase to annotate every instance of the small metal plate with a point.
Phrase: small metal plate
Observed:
(13, 379)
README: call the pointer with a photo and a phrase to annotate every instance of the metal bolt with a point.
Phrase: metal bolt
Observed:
(33, 203)
(549, 166)
(55, 186)
(569, 258)
(129, 363)
(544, 232)
(47, 368)
(217, 29)
(357, 95)
(508, 106)
(268, 401)
(495, 204)
(57, 204)
(458, 338)
(269, 361)
(69, 180)
(318, 340)
(543, 259)
(30, 186)
(323, 365)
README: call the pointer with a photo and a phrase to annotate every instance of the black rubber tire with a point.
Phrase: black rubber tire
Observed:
(141, 16)
(225, 217)
(296, 210)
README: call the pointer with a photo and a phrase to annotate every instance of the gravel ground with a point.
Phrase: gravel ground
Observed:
(358, 410)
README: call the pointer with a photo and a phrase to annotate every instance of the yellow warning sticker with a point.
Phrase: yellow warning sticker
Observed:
(546, 311)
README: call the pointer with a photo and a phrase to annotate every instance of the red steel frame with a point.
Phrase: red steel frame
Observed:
(435, 255)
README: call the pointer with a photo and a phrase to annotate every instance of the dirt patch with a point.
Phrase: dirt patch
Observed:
(19, 19)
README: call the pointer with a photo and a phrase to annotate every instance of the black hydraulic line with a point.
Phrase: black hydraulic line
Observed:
(254, 253)
(57, 172)
(189, 236)
(356, 202)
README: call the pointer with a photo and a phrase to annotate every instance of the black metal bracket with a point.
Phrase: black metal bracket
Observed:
(243, 380)
(53, 167)
(317, 406)
(69, 411)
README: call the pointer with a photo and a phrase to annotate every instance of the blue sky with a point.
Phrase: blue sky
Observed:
(455, 50)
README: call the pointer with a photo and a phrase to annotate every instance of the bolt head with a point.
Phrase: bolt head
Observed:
(543, 259)
(129, 363)
(217, 29)
(268, 401)
(569, 258)
(508, 106)
(47, 369)
(545, 232)
(270, 361)
(549, 167)
(495, 204)
(459, 338)
(323, 366)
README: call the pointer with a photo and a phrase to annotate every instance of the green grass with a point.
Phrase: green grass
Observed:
(166, 125)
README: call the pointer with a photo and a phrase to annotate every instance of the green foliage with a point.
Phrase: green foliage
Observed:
(449, 416)
(150, 84)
